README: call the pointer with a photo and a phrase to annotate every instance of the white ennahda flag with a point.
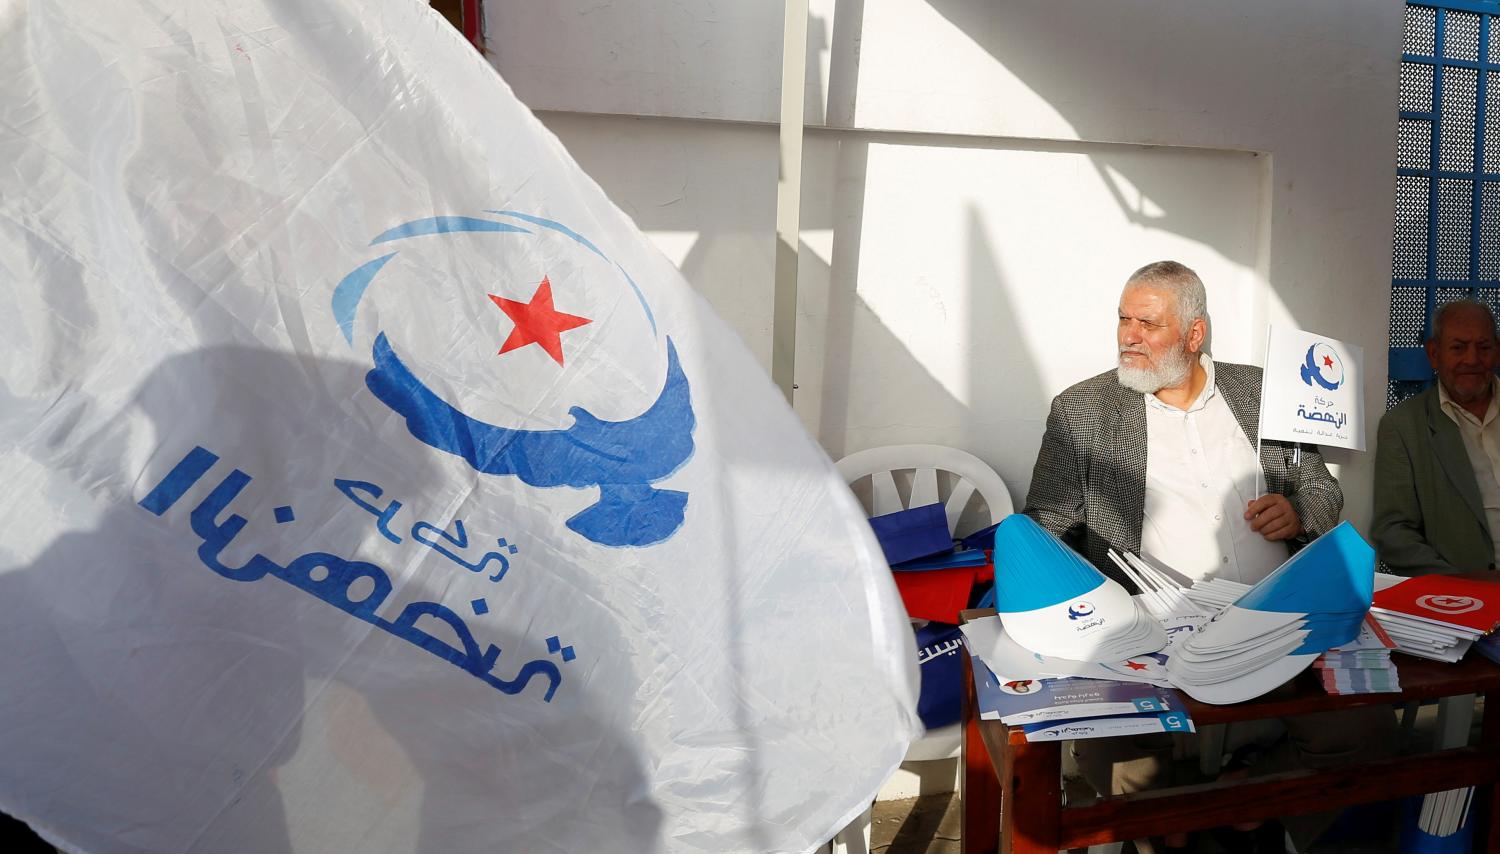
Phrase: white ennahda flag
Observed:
(369, 483)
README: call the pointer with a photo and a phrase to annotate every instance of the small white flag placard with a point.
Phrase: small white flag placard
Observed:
(1312, 390)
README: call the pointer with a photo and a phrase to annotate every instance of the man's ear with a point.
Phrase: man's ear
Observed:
(1197, 333)
(1431, 348)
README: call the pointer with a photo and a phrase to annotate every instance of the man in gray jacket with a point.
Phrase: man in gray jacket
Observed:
(1158, 457)
(1437, 462)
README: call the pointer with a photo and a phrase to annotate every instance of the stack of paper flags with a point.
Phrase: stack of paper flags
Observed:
(938, 593)
(1362, 666)
(1436, 616)
(1439, 823)
(1216, 594)
(988, 641)
(1315, 601)
(934, 578)
(1077, 655)
(1054, 603)
(1164, 599)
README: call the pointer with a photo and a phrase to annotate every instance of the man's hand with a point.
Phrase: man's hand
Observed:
(1272, 517)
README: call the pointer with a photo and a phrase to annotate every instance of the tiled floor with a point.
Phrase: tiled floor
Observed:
(925, 825)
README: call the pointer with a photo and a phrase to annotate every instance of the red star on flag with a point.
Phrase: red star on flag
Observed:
(1327, 361)
(537, 322)
(1135, 665)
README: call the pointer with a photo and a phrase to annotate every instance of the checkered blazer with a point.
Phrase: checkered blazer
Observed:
(1089, 484)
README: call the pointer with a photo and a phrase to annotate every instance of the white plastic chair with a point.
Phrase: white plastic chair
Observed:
(970, 476)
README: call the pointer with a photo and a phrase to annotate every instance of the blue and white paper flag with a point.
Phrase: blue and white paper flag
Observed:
(1312, 390)
(370, 483)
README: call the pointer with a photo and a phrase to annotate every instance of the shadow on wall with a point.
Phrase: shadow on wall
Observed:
(843, 63)
(1315, 85)
(1103, 70)
(856, 358)
(1025, 38)
(849, 359)
(707, 192)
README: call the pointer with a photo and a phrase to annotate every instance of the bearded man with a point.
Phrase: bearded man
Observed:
(1158, 456)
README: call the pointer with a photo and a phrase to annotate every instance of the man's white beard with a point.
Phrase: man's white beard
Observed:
(1170, 370)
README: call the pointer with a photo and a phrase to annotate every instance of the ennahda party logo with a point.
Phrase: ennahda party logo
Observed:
(515, 344)
(1079, 610)
(1323, 367)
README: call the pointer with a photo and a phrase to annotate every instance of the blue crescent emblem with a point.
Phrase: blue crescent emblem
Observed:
(1080, 610)
(1321, 365)
(621, 458)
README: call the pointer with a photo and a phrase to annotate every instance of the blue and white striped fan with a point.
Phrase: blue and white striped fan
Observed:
(1311, 603)
(1054, 602)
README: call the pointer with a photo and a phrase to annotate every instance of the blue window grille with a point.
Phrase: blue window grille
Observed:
(1447, 228)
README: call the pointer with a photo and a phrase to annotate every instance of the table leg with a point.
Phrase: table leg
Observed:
(979, 793)
(1031, 798)
(1489, 736)
(1454, 720)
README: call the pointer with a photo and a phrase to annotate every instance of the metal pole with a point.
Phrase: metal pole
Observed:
(789, 197)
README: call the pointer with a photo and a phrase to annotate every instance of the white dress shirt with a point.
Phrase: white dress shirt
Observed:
(1201, 471)
(1482, 441)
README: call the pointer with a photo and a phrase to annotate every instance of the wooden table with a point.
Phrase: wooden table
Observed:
(1012, 790)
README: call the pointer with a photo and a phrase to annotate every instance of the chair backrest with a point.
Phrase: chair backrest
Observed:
(925, 461)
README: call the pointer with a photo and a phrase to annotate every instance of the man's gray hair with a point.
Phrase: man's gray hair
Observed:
(1179, 280)
(1445, 311)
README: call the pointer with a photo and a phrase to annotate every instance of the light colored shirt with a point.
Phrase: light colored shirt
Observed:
(1482, 441)
(1201, 471)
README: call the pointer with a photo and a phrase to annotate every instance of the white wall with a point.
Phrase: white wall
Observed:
(987, 174)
